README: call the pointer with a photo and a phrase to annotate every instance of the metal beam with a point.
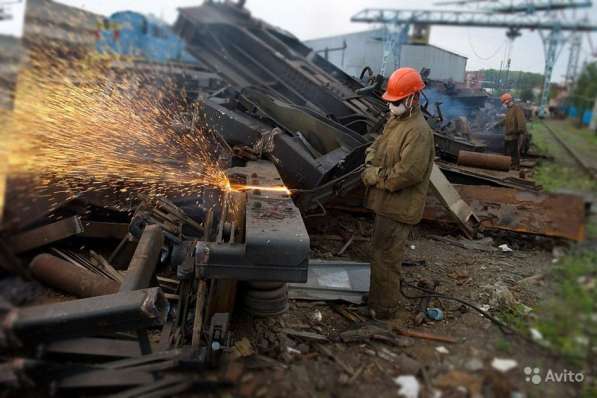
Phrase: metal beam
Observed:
(145, 260)
(79, 318)
(573, 57)
(47, 234)
(469, 18)
(531, 7)
(552, 43)
(96, 347)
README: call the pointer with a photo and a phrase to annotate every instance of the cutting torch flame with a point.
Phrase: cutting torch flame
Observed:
(281, 188)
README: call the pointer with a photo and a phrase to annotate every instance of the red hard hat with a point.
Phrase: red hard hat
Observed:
(403, 83)
(506, 97)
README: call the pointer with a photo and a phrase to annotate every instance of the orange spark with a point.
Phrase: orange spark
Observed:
(80, 126)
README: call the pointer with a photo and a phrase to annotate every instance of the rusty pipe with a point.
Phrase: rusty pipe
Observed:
(145, 259)
(60, 274)
(484, 160)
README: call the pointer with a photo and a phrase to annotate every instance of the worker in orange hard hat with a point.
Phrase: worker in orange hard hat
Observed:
(515, 130)
(398, 166)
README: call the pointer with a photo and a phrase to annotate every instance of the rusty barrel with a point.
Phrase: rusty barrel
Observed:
(484, 160)
(62, 275)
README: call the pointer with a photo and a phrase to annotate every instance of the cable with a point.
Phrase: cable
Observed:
(504, 328)
(470, 43)
(433, 294)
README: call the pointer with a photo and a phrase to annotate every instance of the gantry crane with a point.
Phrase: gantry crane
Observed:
(528, 7)
(552, 31)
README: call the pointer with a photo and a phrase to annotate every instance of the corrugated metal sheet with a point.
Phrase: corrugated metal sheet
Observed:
(444, 64)
(362, 49)
(366, 49)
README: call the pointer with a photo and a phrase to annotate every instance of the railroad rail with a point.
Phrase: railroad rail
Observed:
(591, 172)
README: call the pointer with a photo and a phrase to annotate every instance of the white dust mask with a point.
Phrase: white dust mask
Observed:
(397, 110)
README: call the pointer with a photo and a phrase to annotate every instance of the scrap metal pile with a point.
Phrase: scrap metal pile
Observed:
(157, 281)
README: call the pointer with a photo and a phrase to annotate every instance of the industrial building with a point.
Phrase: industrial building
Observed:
(352, 52)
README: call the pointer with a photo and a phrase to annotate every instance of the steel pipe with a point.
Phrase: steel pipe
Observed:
(63, 275)
(484, 160)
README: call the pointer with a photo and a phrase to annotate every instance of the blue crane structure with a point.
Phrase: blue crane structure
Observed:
(553, 31)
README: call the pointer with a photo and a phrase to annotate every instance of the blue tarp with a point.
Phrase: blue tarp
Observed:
(574, 113)
(131, 33)
(586, 117)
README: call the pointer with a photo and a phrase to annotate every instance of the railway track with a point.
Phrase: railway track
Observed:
(591, 172)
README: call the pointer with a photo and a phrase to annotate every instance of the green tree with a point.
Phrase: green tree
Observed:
(526, 94)
(585, 91)
(517, 80)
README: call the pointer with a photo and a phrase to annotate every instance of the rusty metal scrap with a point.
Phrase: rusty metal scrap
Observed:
(490, 161)
(458, 208)
(70, 278)
(145, 260)
(538, 213)
(46, 234)
(78, 318)
(460, 174)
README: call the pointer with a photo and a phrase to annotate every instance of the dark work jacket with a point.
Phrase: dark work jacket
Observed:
(515, 124)
(405, 153)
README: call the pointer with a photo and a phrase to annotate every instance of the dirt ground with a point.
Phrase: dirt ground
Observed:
(342, 352)
(287, 365)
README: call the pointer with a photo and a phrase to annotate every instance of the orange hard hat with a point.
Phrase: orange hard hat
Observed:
(506, 97)
(403, 83)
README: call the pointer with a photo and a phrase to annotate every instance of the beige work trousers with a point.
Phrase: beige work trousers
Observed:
(389, 240)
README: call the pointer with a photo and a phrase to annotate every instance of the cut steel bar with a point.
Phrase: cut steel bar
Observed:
(97, 347)
(65, 276)
(105, 230)
(484, 160)
(46, 234)
(104, 378)
(145, 260)
(115, 312)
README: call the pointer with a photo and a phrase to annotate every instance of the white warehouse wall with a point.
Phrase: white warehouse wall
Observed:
(366, 49)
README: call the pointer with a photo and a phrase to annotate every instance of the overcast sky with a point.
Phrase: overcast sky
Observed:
(308, 19)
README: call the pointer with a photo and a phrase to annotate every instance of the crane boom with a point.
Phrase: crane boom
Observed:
(530, 7)
(469, 18)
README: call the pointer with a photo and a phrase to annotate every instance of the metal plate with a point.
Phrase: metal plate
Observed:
(538, 213)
